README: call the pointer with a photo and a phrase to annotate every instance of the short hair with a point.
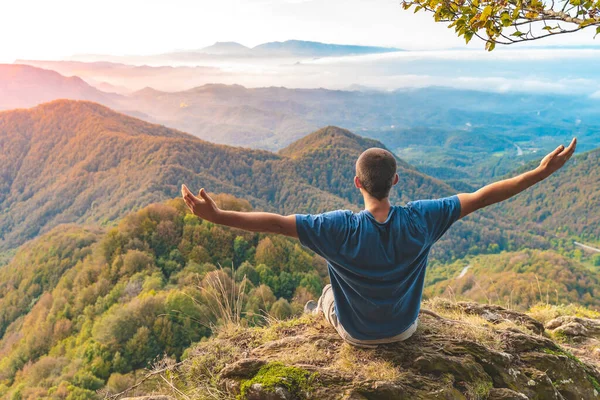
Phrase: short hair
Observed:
(376, 169)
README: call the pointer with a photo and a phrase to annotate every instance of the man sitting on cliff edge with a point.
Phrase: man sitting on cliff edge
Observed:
(376, 258)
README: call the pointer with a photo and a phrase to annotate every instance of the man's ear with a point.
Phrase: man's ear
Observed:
(357, 183)
(396, 179)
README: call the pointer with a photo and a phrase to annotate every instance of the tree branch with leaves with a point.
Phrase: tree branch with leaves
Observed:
(511, 21)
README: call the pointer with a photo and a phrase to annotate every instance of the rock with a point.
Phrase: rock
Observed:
(257, 392)
(384, 390)
(518, 342)
(566, 374)
(443, 360)
(353, 395)
(461, 368)
(575, 326)
(231, 386)
(389, 390)
(282, 343)
(245, 368)
(496, 314)
(506, 394)
(573, 329)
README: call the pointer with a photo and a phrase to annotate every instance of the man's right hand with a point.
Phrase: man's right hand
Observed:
(502, 190)
(555, 160)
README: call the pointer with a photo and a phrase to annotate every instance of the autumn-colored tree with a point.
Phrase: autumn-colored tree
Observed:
(269, 254)
(511, 21)
(281, 309)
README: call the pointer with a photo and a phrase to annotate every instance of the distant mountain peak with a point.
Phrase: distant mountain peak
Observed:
(292, 47)
(81, 112)
(219, 86)
(24, 86)
(147, 91)
(335, 139)
(316, 49)
(226, 48)
(329, 137)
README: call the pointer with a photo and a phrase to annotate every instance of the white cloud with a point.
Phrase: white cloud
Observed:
(520, 55)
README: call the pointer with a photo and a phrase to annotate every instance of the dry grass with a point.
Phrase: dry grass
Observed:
(307, 324)
(473, 328)
(469, 326)
(362, 363)
(307, 353)
(365, 364)
(546, 312)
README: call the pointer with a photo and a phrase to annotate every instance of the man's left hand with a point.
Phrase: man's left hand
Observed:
(203, 206)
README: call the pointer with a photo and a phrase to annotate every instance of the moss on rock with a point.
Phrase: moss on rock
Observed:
(296, 381)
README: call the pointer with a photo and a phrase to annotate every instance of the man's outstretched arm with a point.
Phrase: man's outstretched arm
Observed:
(502, 190)
(205, 208)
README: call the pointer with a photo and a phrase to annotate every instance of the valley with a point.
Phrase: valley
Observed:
(104, 273)
(482, 137)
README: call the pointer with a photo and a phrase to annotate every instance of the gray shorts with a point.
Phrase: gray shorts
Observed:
(327, 303)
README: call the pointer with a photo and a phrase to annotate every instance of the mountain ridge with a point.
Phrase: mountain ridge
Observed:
(225, 48)
(329, 136)
(75, 161)
(317, 49)
(563, 204)
(23, 86)
(288, 48)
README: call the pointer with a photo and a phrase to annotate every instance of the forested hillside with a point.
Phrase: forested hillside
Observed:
(566, 204)
(82, 308)
(87, 309)
(517, 280)
(327, 158)
(80, 162)
(69, 161)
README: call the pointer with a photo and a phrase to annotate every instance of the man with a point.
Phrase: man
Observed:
(377, 257)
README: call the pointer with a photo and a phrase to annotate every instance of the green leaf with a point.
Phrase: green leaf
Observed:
(485, 14)
(505, 18)
(597, 32)
(517, 34)
(468, 36)
(489, 45)
(586, 22)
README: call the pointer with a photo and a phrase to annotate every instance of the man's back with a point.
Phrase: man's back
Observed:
(377, 269)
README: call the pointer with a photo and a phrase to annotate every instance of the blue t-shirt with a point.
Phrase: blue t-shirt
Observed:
(377, 269)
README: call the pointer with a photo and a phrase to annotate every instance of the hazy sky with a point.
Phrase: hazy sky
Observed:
(53, 29)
